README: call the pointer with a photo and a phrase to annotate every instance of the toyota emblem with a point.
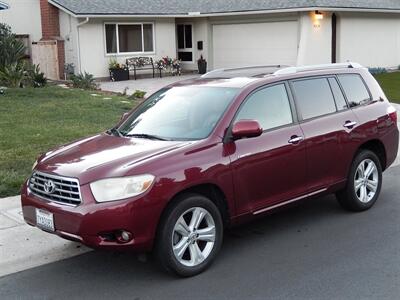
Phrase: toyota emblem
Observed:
(49, 187)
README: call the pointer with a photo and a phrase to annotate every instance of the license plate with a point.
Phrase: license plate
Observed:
(44, 220)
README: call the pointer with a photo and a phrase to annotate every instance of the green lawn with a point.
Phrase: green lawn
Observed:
(34, 120)
(390, 83)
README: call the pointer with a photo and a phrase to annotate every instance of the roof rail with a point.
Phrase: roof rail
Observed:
(221, 72)
(293, 70)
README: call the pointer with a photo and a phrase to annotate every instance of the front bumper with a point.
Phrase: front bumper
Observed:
(91, 223)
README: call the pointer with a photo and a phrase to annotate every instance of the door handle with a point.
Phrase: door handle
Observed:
(295, 139)
(350, 124)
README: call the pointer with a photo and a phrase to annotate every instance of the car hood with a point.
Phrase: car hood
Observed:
(104, 156)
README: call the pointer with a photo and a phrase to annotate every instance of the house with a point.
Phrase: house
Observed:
(227, 33)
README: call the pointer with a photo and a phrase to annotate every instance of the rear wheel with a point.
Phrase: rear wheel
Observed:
(363, 184)
(190, 235)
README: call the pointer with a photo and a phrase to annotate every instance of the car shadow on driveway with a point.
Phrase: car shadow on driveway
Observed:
(310, 249)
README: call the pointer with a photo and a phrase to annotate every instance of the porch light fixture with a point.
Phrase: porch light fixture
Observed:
(319, 15)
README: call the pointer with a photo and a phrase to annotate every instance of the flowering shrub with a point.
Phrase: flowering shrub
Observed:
(115, 65)
(170, 64)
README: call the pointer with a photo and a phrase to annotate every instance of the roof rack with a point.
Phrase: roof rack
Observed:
(244, 71)
(293, 70)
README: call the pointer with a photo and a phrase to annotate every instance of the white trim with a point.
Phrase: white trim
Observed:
(118, 53)
(184, 40)
(254, 12)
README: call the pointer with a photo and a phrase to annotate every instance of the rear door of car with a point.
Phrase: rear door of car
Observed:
(329, 127)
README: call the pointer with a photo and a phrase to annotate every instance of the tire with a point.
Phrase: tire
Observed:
(362, 190)
(195, 246)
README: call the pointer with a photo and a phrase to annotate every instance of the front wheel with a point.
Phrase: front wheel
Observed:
(190, 235)
(363, 184)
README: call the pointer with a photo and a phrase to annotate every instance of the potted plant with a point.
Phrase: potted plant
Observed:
(202, 65)
(118, 72)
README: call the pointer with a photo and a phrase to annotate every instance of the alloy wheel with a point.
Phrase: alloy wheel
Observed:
(193, 236)
(366, 180)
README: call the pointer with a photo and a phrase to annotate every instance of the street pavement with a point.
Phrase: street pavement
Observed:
(312, 250)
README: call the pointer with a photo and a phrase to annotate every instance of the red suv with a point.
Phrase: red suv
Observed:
(205, 154)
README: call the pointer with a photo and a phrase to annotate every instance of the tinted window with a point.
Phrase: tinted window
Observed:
(314, 97)
(269, 106)
(354, 89)
(337, 92)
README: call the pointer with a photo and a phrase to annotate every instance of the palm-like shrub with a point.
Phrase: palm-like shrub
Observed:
(84, 81)
(36, 77)
(12, 50)
(13, 75)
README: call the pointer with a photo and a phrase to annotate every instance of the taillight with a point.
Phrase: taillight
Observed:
(392, 113)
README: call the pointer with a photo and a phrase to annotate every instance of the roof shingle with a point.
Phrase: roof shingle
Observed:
(183, 7)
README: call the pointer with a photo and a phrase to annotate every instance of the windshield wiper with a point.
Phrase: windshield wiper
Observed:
(146, 136)
(114, 131)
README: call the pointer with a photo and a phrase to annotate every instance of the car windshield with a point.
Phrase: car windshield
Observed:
(179, 113)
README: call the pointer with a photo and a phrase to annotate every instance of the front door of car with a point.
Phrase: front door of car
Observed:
(329, 130)
(270, 168)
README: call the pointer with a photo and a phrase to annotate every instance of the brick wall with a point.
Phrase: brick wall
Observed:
(51, 30)
(50, 20)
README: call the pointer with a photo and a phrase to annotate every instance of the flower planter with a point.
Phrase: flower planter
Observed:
(119, 74)
(202, 65)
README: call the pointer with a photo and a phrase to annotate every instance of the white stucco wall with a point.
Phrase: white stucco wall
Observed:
(24, 18)
(68, 32)
(314, 39)
(370, 39)
(93, 55)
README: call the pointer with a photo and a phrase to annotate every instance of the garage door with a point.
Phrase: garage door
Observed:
(237, 45)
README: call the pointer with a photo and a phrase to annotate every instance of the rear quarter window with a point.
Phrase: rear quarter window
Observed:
(355, 89)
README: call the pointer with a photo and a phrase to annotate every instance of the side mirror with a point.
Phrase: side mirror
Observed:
(246, 129)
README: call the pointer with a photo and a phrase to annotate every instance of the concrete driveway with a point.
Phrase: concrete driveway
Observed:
(149, 85)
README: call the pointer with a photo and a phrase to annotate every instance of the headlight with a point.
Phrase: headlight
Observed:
(34, 165)
(113, 189)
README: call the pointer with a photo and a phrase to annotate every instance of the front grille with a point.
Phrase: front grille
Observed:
(54, 188)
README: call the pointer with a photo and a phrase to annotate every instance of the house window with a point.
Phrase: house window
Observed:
(129, 38)
(185, 42)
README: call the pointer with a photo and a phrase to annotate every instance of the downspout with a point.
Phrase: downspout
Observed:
(334, 38)
(79, 42)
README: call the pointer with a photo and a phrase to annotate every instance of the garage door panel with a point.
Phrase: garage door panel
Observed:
(238, 45)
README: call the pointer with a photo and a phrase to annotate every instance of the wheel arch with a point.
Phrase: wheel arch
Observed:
(209, 190)
(378, 148)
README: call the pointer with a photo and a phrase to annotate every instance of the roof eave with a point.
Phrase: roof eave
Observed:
(221, 14)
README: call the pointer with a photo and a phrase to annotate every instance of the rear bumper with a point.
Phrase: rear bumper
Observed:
(93, 223)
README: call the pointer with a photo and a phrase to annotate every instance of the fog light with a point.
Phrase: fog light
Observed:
(124, 236)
